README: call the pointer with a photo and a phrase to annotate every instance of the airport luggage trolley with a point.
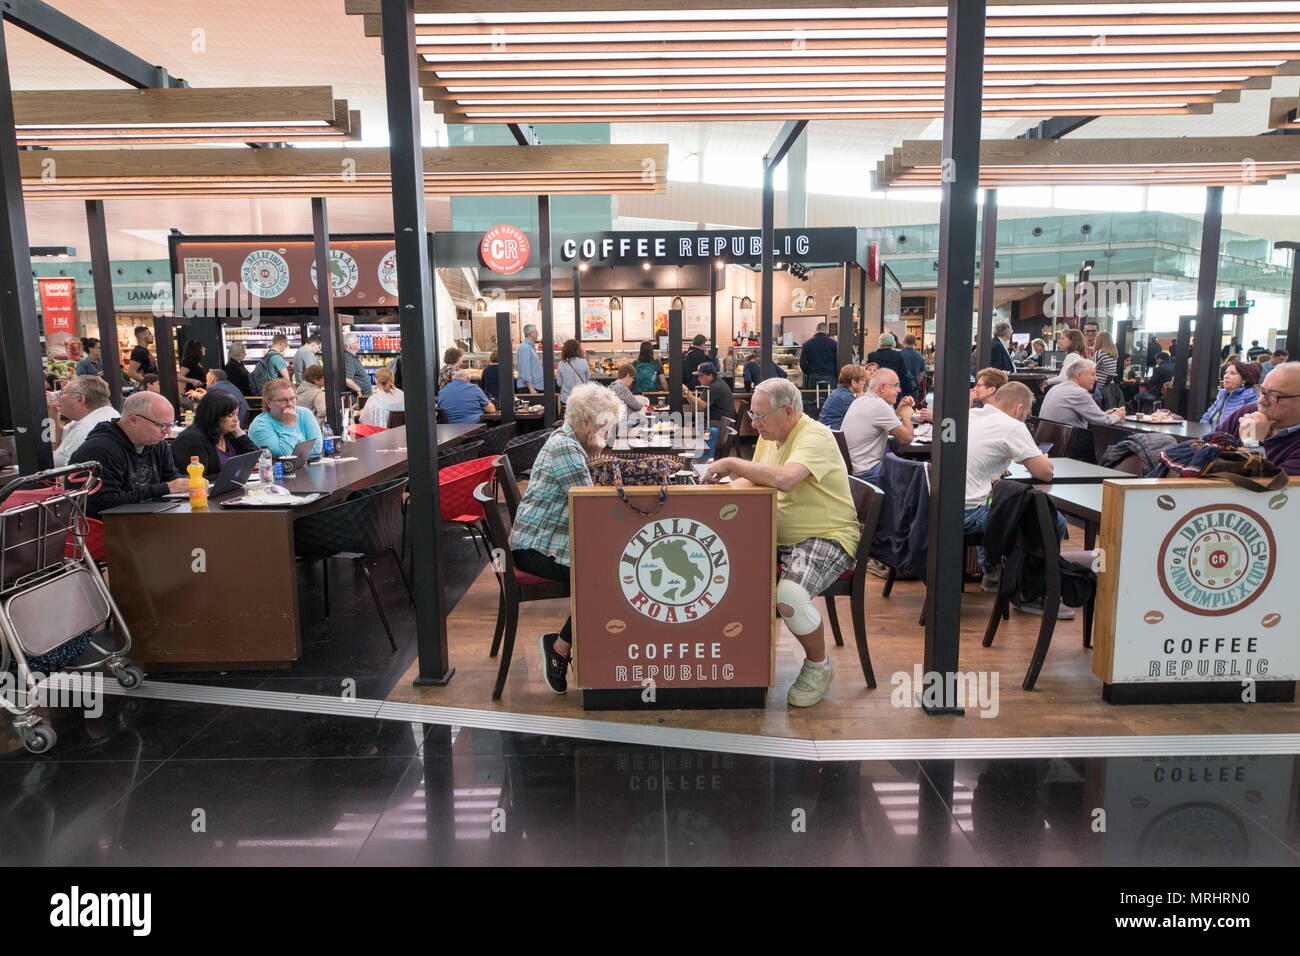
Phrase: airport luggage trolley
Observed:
(52, 596)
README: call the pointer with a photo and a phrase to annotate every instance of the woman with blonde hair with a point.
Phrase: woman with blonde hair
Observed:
(387, 398)
(1107, 358)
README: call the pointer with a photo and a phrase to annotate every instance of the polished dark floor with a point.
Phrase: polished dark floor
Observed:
(153, 782)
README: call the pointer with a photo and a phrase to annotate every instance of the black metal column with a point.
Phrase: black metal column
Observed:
(1123, 330)
(675, 399)
(331, 338)
(505, 368)
(577, 303)
(1292, 345)
(765, 280)
(713, 313)
(1182, 346)
(988, 262)
(548, 311)
(415, 293)
(109, 353)
(962, 103)
(844, 337)
(164, 343)
(19, 330)
(1205, 360)
(862, 317)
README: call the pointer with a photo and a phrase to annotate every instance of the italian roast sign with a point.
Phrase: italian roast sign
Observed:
(682, 597)
(1202, 576)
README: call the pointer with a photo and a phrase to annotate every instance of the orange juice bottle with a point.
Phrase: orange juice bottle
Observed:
(198, 485)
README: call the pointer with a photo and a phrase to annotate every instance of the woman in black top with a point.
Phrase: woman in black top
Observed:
(215, 435)
(192, 371)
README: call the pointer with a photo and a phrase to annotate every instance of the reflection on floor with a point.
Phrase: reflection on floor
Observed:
(164, 783)
(1066, 702)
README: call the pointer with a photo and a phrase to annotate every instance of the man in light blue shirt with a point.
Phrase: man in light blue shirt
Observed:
(282, 426)
(462, 400)
(528, 367)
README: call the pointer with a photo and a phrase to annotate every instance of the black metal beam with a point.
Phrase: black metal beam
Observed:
(988, 264)
(67, 34)
(785, 139)
(415, 293)
(1182, 348)
(862, 315)
(765, 278)
(548, 311)
(524, 134)
(109, 353)
(1123, 331)
(20, 338)
(844, 331)
(164, 343)
(331, 337)
(713, 316)
(577, 298)
(675, 400)
(958, 225)
(1205, 358)
(505, 368)
(1056, 127)
(1293, 317)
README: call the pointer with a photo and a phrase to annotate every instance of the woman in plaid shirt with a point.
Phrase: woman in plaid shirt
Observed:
(540, 537)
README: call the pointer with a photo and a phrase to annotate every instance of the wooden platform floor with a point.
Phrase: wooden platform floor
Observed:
(1066, 702)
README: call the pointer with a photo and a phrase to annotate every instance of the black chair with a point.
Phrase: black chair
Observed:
(467, 451)
(843, 444)
(441, 418)
(726, 441)
(495, 439)
(359, 528)
(517, 587)
(507, 485)
(867, 499)
(523, 450)
(1040, 542)
(1061, 437)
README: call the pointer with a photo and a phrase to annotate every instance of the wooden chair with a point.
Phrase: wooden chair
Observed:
(725, 444)
(396, 418)
(517, 587)
(844, 449)
(507, 485)
(1041, 543)
(867, 498)
(442, 417)
(1061, 437)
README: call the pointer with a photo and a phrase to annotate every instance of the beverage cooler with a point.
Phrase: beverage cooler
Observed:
(380, 341)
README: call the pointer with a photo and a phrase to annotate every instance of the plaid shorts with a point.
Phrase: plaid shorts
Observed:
(814, 564)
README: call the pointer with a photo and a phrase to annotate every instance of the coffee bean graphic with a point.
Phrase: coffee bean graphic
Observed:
(1166, 502)
(615, 626)
(719, 580)
(732, 629)
(1271, 620)
(1153, 617)
(628, 579)
(728, 512)
(1139, 803)
(1277, 501)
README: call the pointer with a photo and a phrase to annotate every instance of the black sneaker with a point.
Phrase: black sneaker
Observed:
(554, 667)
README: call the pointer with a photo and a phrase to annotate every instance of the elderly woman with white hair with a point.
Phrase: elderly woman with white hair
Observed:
(540, 537)
(817, 527)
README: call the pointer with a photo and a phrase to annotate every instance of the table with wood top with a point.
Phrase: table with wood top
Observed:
(218, 589)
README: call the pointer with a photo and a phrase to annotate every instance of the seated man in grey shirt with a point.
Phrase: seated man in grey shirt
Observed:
(1071, 403)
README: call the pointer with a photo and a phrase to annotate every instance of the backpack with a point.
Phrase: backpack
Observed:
(647, 377)
(262, 372)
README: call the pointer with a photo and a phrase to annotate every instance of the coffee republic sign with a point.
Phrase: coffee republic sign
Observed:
(674, 571)
(1217, 559)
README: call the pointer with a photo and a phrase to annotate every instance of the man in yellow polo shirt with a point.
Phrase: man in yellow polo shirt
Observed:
(816, 524)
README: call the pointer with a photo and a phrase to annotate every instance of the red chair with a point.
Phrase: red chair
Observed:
(361, 431)
(456, 501)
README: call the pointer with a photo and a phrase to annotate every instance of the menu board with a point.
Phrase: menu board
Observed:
(695, 317)
(562, 325)
(638, 319)
(597, 325)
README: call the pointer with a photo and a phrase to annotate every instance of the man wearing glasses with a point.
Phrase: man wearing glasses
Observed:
(1273, 421)
(135, 463)
(816, 524)
(280, 427)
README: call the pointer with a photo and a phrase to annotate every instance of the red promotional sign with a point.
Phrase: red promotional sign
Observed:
(504, 249)
(873, 262)
(59, 305)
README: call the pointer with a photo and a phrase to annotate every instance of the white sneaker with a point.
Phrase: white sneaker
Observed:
(989, 583)
(1036, 607)
(810, 686)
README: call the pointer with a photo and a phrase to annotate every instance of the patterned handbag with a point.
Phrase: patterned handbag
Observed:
(646, 471)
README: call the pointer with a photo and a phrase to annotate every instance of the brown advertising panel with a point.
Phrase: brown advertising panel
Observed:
(680, 599)
(279, 274)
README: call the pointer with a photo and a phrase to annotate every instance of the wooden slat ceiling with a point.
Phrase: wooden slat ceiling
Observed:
(662, 60)
(1284, 112)
(453, 171)
(1223, 161)
(182, 116)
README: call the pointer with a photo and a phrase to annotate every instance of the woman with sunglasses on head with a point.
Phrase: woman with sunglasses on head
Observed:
(215, 437)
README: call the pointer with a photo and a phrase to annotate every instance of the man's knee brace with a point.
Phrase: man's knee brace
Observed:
(802, 617)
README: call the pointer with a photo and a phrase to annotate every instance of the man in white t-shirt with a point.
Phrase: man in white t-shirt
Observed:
(85, 403)
(870, 421)
(997, 437)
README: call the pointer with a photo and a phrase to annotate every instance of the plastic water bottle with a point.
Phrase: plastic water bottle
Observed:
(198, 485)
(327, 441)
(265, 469)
